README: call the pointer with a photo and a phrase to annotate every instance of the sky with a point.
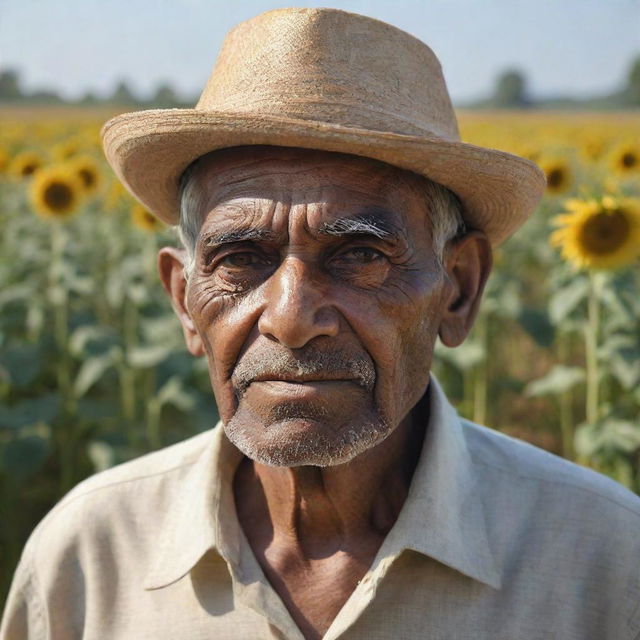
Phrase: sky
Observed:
(565, 47)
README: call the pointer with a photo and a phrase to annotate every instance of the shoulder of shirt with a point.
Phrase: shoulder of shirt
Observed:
(524, 462)
(156, 463)
(127, 478)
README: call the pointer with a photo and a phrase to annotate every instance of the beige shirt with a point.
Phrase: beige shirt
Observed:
(497, 539)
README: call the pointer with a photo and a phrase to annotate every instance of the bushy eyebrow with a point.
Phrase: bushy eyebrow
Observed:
(362, 225)
(370, 224)
(235, 235)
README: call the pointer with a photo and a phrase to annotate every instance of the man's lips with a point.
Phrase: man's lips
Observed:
(307, 388)
(312, 366)
(305, 379)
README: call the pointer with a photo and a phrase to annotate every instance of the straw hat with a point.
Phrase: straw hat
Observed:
(330, 80)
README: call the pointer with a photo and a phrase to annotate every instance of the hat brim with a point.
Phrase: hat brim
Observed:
(149, 150)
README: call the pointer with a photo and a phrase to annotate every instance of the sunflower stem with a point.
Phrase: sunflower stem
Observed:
(467, 393)
(153, 409)
(566, 403)
(153, 423)
(592, 331)
(100, 273)
(480, 381)
(128, 378)
(60, 299)
(150, 259)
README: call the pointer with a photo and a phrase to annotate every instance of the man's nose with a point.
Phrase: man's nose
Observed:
(297, 309)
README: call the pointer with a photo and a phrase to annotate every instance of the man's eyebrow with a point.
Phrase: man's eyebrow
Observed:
(214, 239)
(370, 224)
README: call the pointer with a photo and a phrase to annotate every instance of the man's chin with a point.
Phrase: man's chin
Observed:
(294, 441)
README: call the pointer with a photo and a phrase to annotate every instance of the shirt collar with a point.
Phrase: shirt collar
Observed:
(198, 518)
(443, 516)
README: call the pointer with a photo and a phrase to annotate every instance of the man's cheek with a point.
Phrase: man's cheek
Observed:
(224, 395)
(206, 302)
(226, 324)
(218, 317)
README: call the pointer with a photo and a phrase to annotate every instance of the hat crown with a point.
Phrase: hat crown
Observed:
(331, 66)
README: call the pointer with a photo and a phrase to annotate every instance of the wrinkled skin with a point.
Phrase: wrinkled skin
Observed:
(319, 334)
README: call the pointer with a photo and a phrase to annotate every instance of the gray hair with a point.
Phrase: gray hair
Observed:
(445, 209)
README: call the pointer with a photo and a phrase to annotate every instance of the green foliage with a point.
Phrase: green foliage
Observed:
(566, 340)
(93, 369)
(559, 379)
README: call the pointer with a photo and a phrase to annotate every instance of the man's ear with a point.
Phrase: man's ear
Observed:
(467, 262)
(171, 263)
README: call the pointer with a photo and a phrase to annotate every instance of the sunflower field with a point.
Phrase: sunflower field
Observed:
(93, 367)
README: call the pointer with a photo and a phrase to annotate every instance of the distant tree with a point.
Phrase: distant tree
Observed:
(632, 92)
(510, 90)
(165, 96)
(122, 94)
(89, 99)
(10, 85)
(46, 96)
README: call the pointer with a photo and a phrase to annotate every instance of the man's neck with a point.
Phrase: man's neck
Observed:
(315, 531)
(320, 510)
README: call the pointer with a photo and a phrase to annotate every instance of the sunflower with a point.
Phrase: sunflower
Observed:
(144, 219)
(89, 173)
(599, 233)
(625, 159)
(56, 192)
(25, 164)
(558, 173)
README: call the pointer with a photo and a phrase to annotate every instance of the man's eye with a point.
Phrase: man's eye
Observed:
(243, 260)
(362, 255)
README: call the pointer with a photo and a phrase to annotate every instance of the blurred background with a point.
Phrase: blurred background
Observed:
(93, 369)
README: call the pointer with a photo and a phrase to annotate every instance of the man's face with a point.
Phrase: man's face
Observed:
(317, 298)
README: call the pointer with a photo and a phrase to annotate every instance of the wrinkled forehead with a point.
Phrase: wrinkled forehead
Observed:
(304, 176)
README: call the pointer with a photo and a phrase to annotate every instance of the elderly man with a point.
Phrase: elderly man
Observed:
(333, 226)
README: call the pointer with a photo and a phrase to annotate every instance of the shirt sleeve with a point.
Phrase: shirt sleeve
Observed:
(23, 617)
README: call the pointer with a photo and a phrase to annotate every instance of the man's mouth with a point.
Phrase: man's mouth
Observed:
(305, 378)
(313, 368)
(307, 389)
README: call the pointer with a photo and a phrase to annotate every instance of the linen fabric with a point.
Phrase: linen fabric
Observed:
(497, 539)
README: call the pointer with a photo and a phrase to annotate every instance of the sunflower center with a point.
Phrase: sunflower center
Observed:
(555, 178)
(87, 177)
(29, 168)
(58, 196)
(629, 160)
(604, 233)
